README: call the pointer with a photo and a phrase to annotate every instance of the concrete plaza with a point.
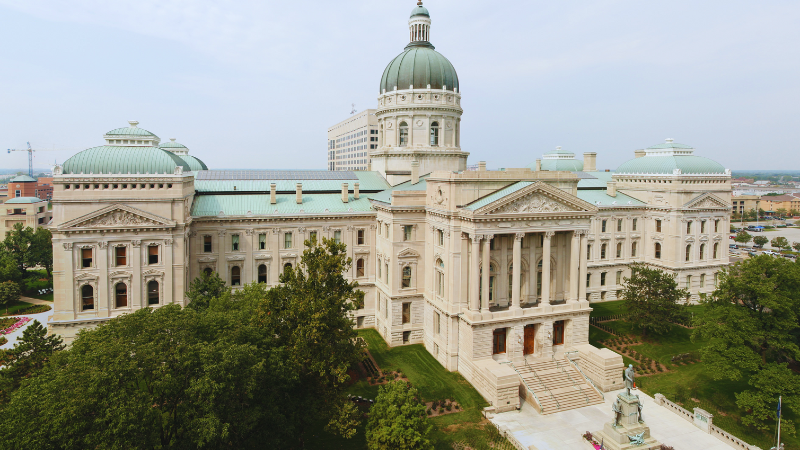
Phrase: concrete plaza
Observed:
(564, 430)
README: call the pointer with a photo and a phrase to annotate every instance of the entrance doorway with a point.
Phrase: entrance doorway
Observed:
(558, 332)
(530, 340)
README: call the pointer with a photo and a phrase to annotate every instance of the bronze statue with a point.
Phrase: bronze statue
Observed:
(617, 409)
(630, 376)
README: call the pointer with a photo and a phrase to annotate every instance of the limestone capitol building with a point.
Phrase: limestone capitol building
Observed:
(493, 271)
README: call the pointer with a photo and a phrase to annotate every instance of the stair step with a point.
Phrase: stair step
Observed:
(558, 386)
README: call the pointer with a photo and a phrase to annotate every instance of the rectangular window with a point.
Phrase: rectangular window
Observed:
(688, 227)
(406, 337)
(120, 256)
(437, 323)
(287, 240)
(702, 227)
(406, 280)
(688, 281)
(152, 254)
(379, 269)
(440, 234)
(603, 226)
(633, 250)
(86, 258)
(588, 280)
(588, 252)
(206, 244)
(337, 236)
(619, 277)
(603, 279)
(716, 226)
(406, 232)
(387, 231)
(262, 241)
(499, 341)
(619, 224)
(658, 225)
(702, 280)
(386, 273)
(633, 225)
(361, 240)
(312, 236)
(234, 242)
(406, 312)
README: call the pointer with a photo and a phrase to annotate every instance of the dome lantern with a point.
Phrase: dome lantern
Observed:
(419, 24)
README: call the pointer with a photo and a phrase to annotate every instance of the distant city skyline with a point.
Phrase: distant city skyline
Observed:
(256, 86)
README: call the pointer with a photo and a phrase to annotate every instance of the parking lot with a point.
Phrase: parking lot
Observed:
(791, 234)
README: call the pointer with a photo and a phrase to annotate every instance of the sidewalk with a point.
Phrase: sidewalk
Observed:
(35, 301)
(41, 317)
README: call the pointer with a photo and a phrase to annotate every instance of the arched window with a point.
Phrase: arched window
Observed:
(360, 267)
(716, 250)
(262, 273)
(208, 271)
(688, 252)
(633, 249)
(87, 298)
(702, 250)
(236, 276)
(406, 280)
(434, 134)
(603, 251)
(619, 249)
(439, 278)
(658, 250)
(121, 295)
(152, 293)
(403, 134)
(287, 266)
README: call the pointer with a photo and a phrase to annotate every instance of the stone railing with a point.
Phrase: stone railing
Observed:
(703, 420)
(510, 436)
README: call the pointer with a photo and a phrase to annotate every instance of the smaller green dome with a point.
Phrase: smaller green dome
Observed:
(124, 160)
(172, 144)
(21, 179)
(559, 160)
(420, 10)
(24, 200)
(194, 163)
(666, 158)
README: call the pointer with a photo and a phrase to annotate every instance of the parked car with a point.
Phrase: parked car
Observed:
(733, 246)
(790, 256)
(770, 253)
(752, 253)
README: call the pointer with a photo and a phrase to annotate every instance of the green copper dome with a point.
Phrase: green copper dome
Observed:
(193, 163)
(420, 10)
(559, 160)
(419, 65)
(124, 160)
(665, 159)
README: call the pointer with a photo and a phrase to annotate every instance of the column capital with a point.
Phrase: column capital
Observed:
(549, 234)
(475, 238)
(519, 236)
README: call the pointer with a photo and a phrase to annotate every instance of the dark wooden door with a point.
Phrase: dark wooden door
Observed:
(530, 340)
(558, 332)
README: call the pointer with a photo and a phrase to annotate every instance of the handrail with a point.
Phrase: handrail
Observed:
(558, 405)
(535, 397)
(574, 384)
(591, 383)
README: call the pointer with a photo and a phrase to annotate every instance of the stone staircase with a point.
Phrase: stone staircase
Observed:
(558, 386)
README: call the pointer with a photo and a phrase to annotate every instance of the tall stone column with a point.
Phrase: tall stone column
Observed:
(574, 266)
(517, 271)
(583, 266)
(475, 273)
(221, 266)
(169, 273)
(546, 267)
(102, 282)
(136, 278)
(486, 269)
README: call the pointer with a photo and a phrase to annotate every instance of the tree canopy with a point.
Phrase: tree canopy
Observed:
(751, 328)
(743, 237)
(780, 242)
(28, 357)
(653, 299)
(397, 420)
(760, 240)
(28, 248)
(9, 294)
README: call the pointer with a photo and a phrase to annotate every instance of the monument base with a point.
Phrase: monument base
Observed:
(630, 433)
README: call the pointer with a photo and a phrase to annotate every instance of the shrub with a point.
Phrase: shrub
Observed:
(429, 411)
(448, 407)
(441, 410)
(34, 285)
(33, 309)
(587, 436)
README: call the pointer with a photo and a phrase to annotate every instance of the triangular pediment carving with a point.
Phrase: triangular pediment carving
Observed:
(706, 201)
(536, 198)
(408, 253)
(117, 216)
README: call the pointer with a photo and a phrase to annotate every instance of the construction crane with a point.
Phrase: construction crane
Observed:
(30, 155)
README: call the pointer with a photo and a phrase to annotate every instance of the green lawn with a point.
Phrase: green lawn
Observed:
(15, 307)
(433, 381)
(46, 297)
(684, 383)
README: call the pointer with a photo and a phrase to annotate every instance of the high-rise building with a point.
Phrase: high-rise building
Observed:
(350, 141)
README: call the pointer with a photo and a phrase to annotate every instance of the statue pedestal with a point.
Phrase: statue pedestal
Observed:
(623, 436)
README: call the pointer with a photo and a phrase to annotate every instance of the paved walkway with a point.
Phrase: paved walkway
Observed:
(35, 301)
(43, 318)
(563, 430)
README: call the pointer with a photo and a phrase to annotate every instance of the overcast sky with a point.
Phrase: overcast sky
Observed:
(255, 84)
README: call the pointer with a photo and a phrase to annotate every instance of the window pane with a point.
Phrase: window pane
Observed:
(287, 240)
(262, 241)
(406, 277)
(262, 273)
(337, 236)
(87, 297)
(206, 244)
(152, 293)
(121, 294)
(234, 242)
(121, 256)
(152, 254)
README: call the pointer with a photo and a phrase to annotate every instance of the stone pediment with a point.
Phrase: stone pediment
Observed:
(117, 216)
(408, 253)
(535, 199)
(706, 201)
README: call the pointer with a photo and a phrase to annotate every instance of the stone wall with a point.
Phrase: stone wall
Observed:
(602, 366)
(497, 383)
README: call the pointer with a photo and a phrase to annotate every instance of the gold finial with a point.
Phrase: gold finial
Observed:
(419, 3)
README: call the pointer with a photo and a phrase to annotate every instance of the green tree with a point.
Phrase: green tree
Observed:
(165, 378)
(750, 329)
(9, 271)
(27, 357)
(204, 288)
(781, 212)
(309, 312)
(40, 251)
(796, 246)
(17, 241)
(743, 237)
(9, 294)
(398, 420)
(760, 240)
(653, 299)
(780, 242)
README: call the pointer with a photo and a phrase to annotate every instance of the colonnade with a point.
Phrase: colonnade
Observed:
(479, 283)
